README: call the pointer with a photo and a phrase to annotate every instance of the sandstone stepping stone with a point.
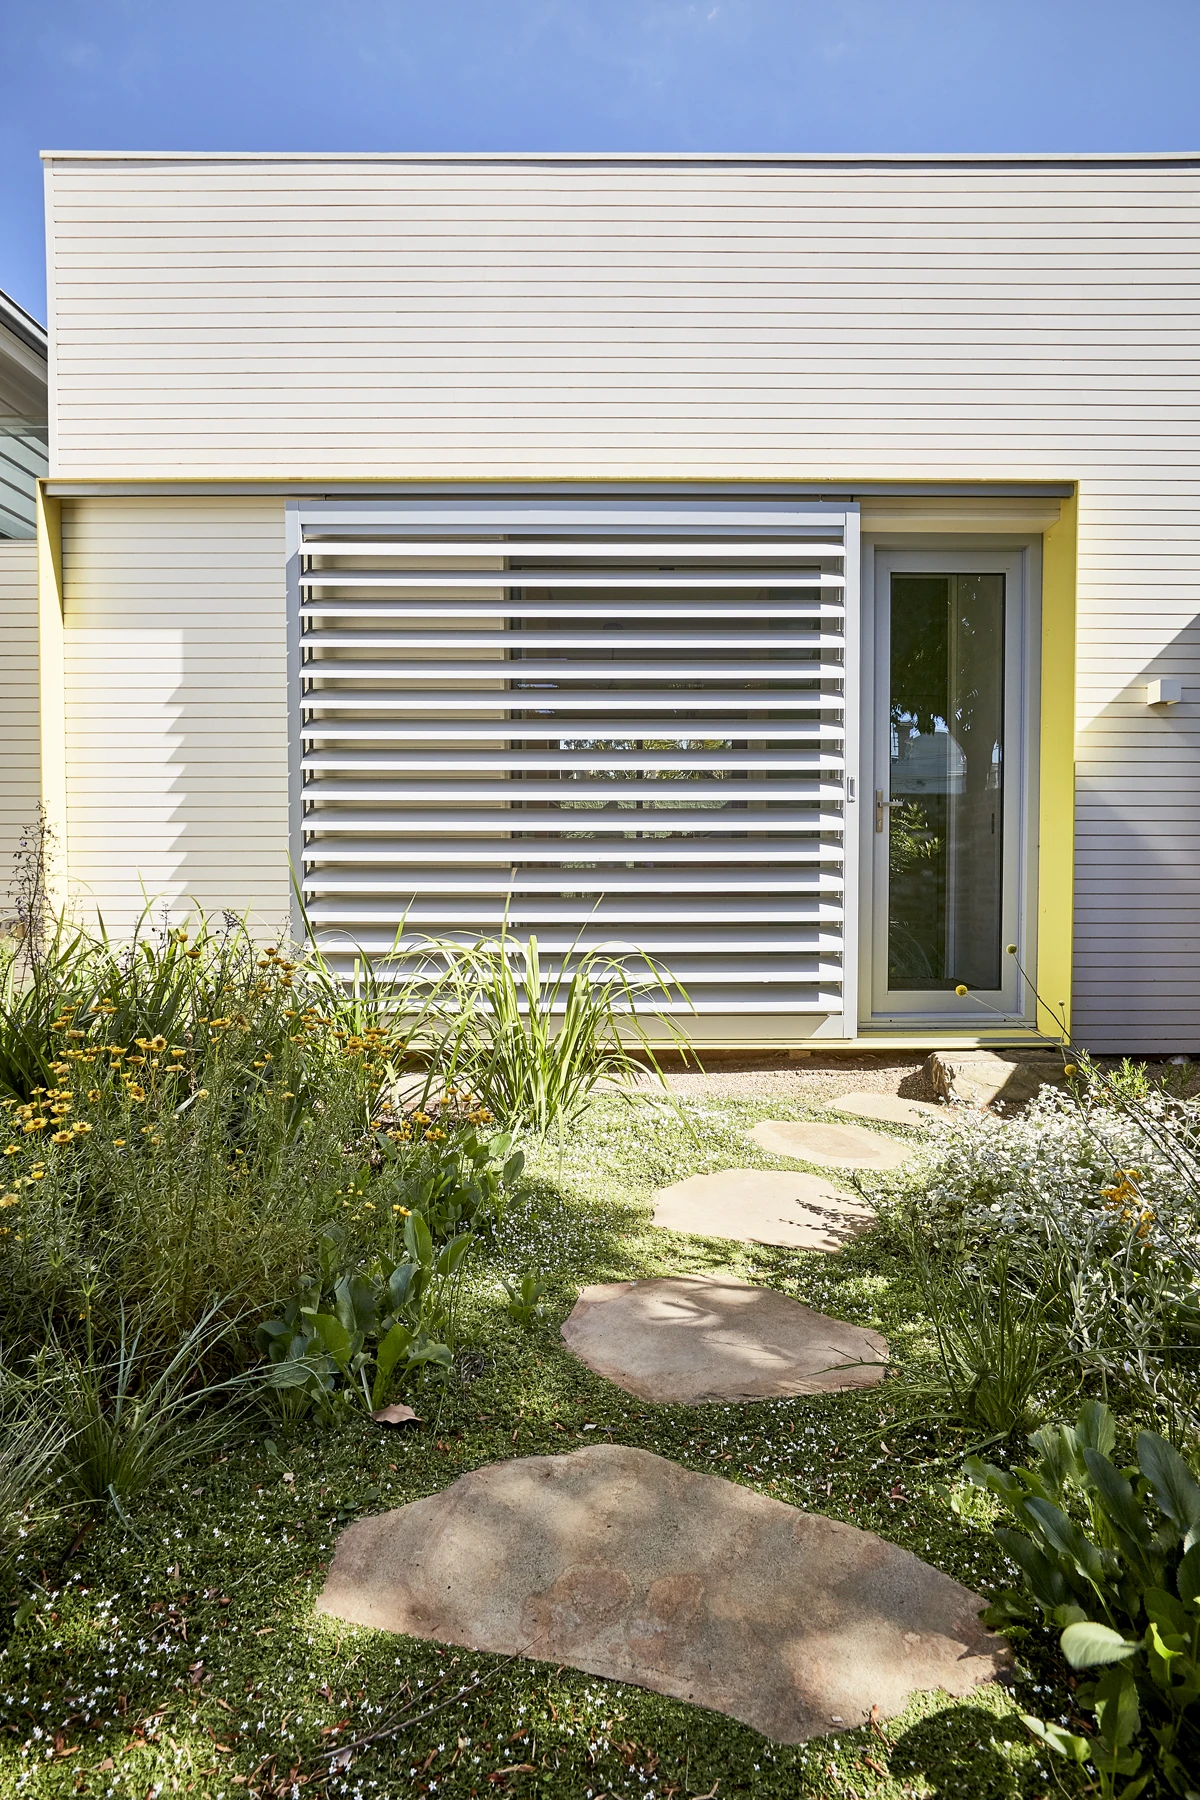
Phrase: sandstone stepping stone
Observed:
(837, 1146)
(692, 1338)
(627, 1566)
(983, 1077)
(890, 1109)
(760, 1206)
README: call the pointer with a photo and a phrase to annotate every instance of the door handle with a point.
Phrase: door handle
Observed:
(881, 806)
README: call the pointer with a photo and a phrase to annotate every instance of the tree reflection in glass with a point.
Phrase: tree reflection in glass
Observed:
(945, 821)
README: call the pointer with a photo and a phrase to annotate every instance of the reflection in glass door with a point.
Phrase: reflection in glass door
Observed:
(942, 814)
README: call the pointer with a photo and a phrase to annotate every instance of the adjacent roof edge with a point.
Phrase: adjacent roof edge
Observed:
(839, 491)
(858, 158)
(23, 325)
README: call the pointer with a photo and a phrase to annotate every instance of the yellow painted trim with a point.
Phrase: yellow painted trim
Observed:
(874, 1043)
(1056, 803)
(52, 688)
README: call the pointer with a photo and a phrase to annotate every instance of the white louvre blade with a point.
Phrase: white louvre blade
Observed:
(446, 823)
(590, 760)
(525, 850)
(585, 733)
(524, 606)
(411, 643)
(532, 668)
(608, 879)
(611, 911)
(568, 579)
(562, 700)
(612, 549)
(330, 792)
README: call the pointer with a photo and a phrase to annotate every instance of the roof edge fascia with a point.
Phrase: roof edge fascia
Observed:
(755, 158)
(843, 490)
(23, 326)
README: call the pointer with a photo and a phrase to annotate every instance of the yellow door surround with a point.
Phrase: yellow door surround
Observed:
(1056, 796)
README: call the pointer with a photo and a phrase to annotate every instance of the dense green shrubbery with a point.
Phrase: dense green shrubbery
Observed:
(1079, 1221)
(1111, 1557)
(205, 1158)
(200, 1107)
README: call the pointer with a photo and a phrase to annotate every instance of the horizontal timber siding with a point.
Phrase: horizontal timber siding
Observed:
(176, 700)
(22, 462)
(20, 749)
(389, 319)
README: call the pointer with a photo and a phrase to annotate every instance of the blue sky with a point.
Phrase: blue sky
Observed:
(916, 75)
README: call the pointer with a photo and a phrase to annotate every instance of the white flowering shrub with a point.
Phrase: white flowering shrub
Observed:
(1095, 1204)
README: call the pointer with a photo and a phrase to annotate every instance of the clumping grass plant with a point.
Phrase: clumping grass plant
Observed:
(996, 1353)
(535, 1042)
(31, 1442)
(132, 1420)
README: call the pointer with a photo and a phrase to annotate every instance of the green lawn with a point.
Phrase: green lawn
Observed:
(179, 1652)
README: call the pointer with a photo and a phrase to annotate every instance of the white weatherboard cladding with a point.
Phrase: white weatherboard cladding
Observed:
(20, 750)
(615, 723)
(360, 319)
(176, 707)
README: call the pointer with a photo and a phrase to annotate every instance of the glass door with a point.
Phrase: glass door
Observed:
(947, 802)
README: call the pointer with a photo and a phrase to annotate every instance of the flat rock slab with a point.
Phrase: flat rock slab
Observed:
(983, 1077)
(692, 1338)
(624, 1565)
(835, 1146)
(760, 1206)
(889, 1109)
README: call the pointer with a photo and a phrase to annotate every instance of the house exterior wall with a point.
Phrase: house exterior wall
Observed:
(23, 446)
(176, 706)
(23, 462)
(20, 771)
(351, 320)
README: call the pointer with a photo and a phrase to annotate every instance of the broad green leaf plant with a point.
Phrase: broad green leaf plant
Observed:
(1111, 1556)
(360, 1328)
(525, 1307)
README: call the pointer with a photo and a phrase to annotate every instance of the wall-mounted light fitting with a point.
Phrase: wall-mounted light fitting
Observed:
(1167, 691)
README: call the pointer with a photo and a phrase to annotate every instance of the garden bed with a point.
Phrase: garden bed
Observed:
(239, 1219)
(183, 1648)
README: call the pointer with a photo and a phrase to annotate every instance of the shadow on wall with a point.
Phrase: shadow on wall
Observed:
(1137, 866)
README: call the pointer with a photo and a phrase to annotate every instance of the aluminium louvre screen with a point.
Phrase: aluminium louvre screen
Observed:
(612, 722)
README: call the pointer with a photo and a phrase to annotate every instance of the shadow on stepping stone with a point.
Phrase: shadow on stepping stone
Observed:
(890, 1109)
(627, 1566)
(692, 1338)
(760, 1206)
(836, 1146)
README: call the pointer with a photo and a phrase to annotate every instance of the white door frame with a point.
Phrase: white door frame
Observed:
(1019, 560)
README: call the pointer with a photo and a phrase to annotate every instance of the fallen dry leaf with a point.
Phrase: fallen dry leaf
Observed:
(396, 1414)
